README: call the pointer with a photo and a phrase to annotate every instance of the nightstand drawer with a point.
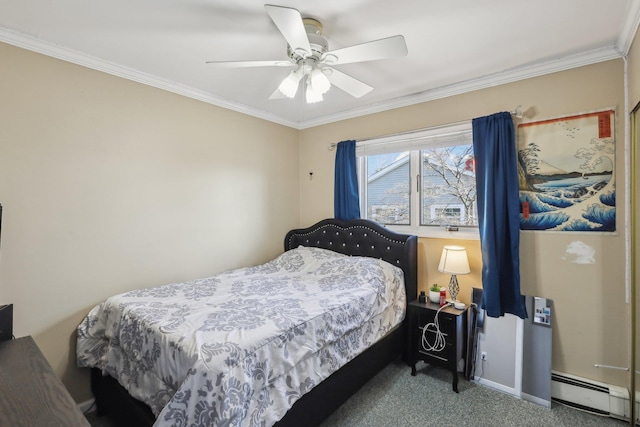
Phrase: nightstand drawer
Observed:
(445, 320)
(443, 343)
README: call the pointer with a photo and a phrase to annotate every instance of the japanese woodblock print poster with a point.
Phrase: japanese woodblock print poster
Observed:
(566, 173)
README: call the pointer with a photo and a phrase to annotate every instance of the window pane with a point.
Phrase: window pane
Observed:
(388, 188)
(448, 186)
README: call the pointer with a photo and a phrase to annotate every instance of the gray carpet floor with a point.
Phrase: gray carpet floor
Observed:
(396, 399)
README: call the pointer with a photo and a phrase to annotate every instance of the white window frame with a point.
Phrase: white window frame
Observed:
(414, 142)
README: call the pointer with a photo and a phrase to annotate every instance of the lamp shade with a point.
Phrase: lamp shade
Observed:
(319, 81)
(289, 85)
(312, 96)
(454, 260)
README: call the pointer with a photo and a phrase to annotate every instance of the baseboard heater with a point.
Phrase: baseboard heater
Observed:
(592, 396)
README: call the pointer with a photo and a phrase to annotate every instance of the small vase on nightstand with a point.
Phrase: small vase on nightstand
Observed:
(434, 293)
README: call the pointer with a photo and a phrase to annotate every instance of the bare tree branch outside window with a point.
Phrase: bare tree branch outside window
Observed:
(448, 181)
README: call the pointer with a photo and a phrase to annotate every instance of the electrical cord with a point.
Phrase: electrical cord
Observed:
(439, 342)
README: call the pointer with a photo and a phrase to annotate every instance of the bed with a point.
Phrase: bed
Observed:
(207, 379)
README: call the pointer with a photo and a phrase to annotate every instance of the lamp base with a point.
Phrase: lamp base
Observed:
(454, 288)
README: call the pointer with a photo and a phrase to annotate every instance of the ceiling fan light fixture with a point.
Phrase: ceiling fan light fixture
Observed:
(319, 81)
(289, 86)
(308, 51)
(312, 95)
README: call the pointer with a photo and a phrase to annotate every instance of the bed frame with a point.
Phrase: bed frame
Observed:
(357, 237)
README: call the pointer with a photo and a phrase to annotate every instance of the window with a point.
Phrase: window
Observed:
(421, 181)
(388, 188)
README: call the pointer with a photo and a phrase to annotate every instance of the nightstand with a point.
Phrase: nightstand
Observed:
(452, 324)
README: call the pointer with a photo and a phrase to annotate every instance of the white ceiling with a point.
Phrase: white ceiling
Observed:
(454, 46)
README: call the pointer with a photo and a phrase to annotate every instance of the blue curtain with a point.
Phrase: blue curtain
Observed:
(494, 149)
(346, 203)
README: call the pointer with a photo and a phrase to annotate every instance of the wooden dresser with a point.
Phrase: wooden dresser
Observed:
(30, 393)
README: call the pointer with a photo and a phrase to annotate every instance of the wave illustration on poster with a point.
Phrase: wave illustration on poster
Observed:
(566, 173)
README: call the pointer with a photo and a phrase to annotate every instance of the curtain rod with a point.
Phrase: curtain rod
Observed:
(517, 112)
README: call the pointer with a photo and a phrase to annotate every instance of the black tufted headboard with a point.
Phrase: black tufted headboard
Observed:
(362, 237)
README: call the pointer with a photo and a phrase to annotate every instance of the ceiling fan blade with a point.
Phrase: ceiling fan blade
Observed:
(245, 64)
(352, 86)
(289, 22)
(391, 47)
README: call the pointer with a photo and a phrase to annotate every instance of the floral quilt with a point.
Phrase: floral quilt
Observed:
(239, 348)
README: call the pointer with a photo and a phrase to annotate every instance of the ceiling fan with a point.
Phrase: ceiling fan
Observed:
(309, 53)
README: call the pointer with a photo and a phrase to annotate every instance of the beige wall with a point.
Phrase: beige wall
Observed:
(591, 324)
(633, 71)
(109, 185)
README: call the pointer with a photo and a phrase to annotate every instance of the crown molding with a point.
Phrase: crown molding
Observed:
(621, 49)
(39, 46)
(508, 76)
(630, 27)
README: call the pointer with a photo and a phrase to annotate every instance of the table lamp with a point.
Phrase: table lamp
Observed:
(454, 261)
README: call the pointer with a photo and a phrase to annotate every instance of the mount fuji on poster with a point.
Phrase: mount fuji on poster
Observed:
(566, 173)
